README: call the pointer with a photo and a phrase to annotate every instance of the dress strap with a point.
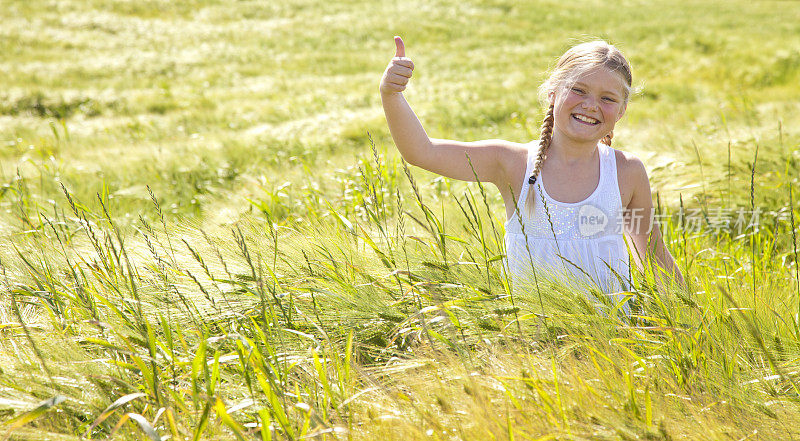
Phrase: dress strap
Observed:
(609, 180)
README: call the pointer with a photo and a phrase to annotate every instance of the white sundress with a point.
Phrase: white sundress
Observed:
(581, 245)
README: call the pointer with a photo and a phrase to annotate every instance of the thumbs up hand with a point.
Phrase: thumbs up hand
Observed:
(398, 72)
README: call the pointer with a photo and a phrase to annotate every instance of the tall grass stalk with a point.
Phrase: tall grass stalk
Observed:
(753, 234)
(793, 228)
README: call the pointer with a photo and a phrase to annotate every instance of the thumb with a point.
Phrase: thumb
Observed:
(401, 48)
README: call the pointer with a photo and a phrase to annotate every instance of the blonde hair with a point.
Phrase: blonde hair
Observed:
(576, 61)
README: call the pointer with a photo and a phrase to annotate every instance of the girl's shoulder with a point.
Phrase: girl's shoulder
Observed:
(511, 154)
(504, 146)
(631, 175)
(517, 152)
(628, 162)
(512, 157)
(517, 147)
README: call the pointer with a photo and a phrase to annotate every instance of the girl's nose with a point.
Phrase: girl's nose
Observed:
(590, 103)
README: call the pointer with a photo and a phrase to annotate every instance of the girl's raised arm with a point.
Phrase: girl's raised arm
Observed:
(445, 157)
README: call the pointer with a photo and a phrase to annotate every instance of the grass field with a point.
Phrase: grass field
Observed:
(207, 233)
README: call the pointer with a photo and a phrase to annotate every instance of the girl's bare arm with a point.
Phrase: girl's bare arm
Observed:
(445, 157)
(640, 225)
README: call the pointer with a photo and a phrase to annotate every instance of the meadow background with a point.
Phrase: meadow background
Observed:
(207, 233)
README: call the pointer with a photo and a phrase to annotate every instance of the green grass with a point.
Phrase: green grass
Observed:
(229, 258)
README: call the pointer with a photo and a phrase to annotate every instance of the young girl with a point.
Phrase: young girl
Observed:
(569, 196)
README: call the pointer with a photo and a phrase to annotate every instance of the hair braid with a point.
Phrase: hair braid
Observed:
(607, 139)
(545, 139)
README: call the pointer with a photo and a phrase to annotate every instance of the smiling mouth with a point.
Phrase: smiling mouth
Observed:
(585, 119)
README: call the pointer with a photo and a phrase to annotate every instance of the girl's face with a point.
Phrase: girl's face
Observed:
(587, 110)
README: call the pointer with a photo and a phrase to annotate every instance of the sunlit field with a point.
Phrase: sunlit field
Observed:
(206, 231)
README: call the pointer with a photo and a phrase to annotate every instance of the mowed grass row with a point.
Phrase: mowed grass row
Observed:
(228, 257)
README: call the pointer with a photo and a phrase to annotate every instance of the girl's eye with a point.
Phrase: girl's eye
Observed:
(610, 100)
(577, 90)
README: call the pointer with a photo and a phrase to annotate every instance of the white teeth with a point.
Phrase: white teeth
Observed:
(585, 119)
